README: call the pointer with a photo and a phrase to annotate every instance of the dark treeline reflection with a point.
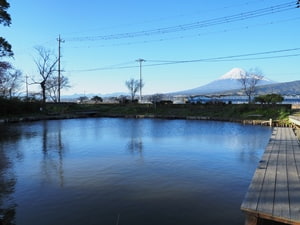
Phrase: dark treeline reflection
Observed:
(7, 183)
(51, 163)
(7, 177)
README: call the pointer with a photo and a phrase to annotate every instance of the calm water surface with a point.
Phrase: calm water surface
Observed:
(127, 171)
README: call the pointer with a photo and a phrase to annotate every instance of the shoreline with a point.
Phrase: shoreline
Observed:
(265, 115)
(271, 123)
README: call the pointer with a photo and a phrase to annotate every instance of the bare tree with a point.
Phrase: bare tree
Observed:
(83, 99)
(10, 80)
(133, 86)
(97, 99)
(156, 98)
(52, 86)
(14, 82)
(46, 64)
(4, 68)
(249, 82)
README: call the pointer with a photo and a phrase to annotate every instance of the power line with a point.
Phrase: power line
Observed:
(172, 17)
(240, 57)
(195, 25)
(191, 35)
(255, 58)
(227, 57)
(116, 66)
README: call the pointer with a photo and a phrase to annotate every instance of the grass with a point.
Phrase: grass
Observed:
(232, 112)
(242, 111)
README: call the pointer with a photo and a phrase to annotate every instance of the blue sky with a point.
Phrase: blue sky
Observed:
(87, 28)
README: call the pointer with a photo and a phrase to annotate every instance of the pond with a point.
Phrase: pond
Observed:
(127, 171)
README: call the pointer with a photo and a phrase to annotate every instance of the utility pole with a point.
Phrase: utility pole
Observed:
(141, 84)
(59, 70)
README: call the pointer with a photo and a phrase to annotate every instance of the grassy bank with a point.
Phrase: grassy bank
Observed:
(242, 111)
(15, 110)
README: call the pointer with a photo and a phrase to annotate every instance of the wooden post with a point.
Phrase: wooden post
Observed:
(250, 219)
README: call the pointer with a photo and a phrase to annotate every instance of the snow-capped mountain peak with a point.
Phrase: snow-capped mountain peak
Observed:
(229, 81)
(234, 74)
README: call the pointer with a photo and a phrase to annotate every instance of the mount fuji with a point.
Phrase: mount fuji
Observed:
(229, 81)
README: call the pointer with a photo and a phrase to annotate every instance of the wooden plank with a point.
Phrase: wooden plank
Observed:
(266, 201)
(251, 219)
(294, 179)
(274, 192)
(295, 120)
(281, 207)
(252, 197)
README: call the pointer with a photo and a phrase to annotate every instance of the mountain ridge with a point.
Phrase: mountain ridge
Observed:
(228, 81)
(282, 88)
(227, 84)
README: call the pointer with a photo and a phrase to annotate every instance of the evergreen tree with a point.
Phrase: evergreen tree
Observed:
(5, 19)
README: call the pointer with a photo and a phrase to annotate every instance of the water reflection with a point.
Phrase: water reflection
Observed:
(135, 136)
(7, 181)
(52, 148)
(7, 184)
(135, 145)
(89, 171)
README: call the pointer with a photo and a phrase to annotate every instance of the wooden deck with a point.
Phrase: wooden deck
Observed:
(274, 193)
(295, 120)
